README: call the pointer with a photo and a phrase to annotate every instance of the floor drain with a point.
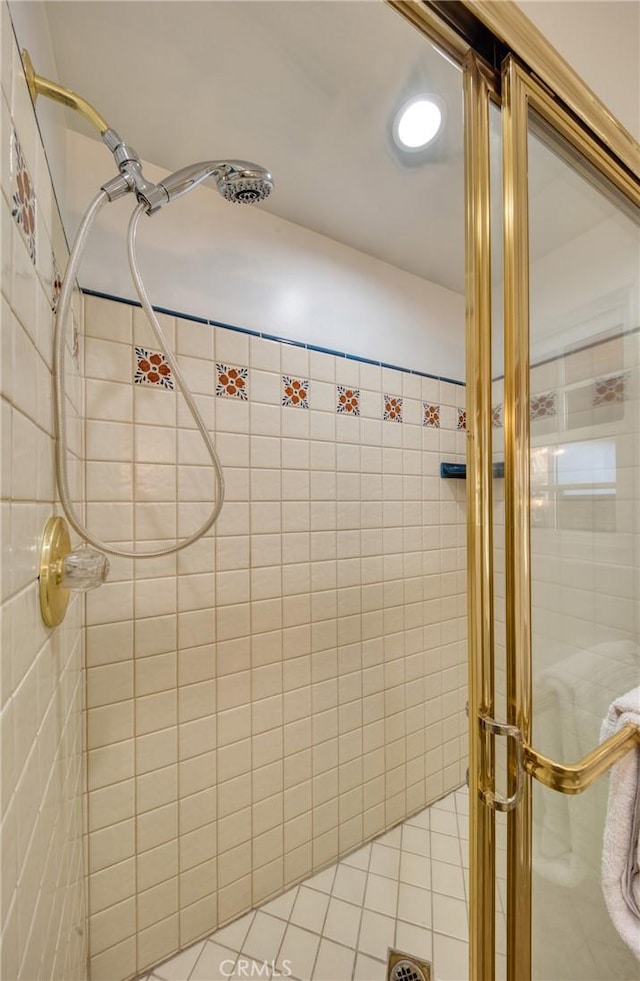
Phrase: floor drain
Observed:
(405, 967)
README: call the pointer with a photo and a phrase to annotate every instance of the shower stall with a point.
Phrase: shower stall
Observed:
(291, 686)
(322, 718)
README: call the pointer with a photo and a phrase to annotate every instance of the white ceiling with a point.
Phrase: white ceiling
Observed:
(307, 88)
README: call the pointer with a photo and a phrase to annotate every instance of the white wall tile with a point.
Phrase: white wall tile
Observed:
(289, 570)
(41, 710)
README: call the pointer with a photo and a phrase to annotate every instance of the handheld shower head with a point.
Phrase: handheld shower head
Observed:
(237, 180)
(247, 186)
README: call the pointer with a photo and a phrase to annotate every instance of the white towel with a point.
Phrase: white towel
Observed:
(571, 697)
(621, 846)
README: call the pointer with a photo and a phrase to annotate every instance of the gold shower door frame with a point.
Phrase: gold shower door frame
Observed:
(480, 87)
(595, 136)
(575, 114)
(522, 93)
(519, 92)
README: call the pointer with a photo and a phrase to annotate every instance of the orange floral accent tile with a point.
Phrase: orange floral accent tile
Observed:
(391, 408)
(543, 406)
(295, 392)
(232, 382)
(609, 390)
(56, 283)
(23, 197)
(431, 415)
(152, 369)
(348, 400)
(75, 342)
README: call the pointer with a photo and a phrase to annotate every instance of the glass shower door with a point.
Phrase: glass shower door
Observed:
(572, 517)
(584, 459)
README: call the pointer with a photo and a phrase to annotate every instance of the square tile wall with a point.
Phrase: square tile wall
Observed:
(294, 683)
(41, 671)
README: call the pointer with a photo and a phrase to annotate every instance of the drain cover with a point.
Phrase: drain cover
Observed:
(405, 967)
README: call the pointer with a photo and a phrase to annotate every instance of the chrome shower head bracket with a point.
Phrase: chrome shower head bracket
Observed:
(131, 178)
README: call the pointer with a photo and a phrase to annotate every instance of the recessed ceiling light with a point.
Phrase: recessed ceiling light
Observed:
(417, 123)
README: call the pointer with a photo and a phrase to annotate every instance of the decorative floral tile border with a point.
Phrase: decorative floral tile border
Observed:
(295, 392)
(543, 406)
(232, 382)
(462, 419)
(152, 369)
(431, 415)
(347, 400)
(75, 344)
(608, 391)
(391, 408)
(23, 197)
(56, 283)
(496, 416)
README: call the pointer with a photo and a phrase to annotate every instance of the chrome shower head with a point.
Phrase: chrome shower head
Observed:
(246, 186)
(237, 180)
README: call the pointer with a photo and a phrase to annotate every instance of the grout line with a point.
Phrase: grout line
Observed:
(175, 560)
(204, 945)
(136, 789)
(359, 933)
(88, 801)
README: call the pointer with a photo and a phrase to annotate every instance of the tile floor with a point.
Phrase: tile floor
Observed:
(407, 889)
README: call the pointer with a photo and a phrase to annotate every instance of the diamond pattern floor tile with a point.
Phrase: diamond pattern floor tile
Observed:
(405, 890)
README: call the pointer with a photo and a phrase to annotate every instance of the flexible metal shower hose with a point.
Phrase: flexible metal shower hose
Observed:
(59, 393)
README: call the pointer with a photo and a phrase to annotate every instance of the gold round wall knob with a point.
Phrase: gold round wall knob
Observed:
(54, 598)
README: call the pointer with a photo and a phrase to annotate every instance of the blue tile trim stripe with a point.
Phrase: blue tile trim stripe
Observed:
(274, 337)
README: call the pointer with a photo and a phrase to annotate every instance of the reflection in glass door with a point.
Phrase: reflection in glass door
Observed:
(585, 455)
(572, 441)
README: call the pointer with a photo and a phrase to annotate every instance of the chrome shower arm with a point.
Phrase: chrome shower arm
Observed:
(38, 85)
(237, 180)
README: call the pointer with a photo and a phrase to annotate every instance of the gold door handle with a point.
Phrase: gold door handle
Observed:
(489, 796)
(573, 778)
